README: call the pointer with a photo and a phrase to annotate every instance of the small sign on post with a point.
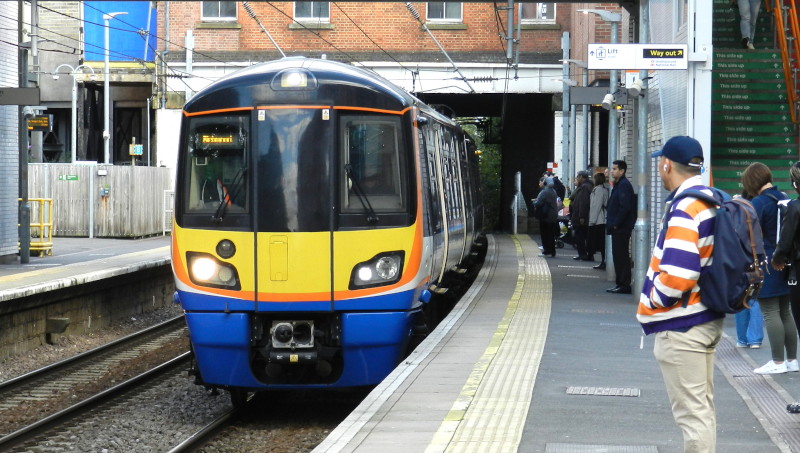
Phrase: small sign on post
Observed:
(135, 150)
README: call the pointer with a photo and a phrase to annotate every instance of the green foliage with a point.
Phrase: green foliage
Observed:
(490, 167)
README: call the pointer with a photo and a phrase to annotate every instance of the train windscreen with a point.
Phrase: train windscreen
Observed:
(374, 171)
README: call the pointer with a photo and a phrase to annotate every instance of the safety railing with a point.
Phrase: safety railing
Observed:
(41, 225)
(785, 13)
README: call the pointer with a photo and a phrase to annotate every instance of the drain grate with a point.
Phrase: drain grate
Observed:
(585, 448)
(592, 310)
(603, 391)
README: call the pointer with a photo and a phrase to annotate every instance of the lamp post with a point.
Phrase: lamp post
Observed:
(73, 133)
(106, 93)
(613, 127)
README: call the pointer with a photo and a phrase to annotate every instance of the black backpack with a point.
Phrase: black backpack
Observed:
(734, 275)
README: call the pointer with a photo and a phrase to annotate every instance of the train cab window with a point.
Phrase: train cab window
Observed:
(373, 170)
(216, 169)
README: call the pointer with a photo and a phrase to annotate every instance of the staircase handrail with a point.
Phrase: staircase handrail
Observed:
(788, 69)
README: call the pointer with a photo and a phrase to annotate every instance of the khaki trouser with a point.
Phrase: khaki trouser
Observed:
(687, 364)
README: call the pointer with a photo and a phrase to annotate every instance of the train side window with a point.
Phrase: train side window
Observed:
(217, 167)
(372, 164)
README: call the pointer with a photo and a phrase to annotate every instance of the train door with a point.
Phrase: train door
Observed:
(293, 187)
(430, 197)
(443, 189)
(463, 194)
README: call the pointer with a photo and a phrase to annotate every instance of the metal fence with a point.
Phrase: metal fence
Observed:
(91, 200)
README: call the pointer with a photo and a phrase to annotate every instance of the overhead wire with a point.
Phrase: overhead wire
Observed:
(370, 39)
(180, 74)
(348, 56)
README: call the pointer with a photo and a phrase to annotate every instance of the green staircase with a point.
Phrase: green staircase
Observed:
(750, 113)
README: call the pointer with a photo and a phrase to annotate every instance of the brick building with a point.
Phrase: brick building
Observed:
(205, 40)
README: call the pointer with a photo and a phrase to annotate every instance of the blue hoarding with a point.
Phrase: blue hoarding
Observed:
(131, 37)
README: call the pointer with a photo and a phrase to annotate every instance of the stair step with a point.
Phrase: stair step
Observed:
(752, 149)
(751, 128)
(770, 107)
(744, 116)
(763, 86)
(743, 162)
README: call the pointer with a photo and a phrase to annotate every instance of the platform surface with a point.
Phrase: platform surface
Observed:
(538, 357)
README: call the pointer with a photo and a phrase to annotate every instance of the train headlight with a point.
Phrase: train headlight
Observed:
(205, 270)
(294, 79)
(383, 269)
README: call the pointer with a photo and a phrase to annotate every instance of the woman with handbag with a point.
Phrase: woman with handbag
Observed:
(597, 218)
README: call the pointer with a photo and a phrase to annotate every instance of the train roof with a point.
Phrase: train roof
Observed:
(335, 83)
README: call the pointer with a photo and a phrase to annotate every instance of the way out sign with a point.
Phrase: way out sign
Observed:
(638, 56)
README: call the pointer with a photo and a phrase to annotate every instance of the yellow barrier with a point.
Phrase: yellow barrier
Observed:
(41, 225)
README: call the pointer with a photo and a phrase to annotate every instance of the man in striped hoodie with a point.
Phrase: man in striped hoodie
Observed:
(686, 334)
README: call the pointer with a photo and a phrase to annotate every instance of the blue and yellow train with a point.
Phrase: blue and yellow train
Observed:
(318, 207)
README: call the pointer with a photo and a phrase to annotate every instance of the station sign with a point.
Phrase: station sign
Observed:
(638, 56)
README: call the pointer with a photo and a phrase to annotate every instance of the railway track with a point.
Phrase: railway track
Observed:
(57, 431)
(56, 386)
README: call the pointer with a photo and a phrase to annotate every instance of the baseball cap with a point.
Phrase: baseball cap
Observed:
(682, 149)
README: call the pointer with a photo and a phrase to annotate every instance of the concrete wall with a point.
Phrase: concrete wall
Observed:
(89, 307)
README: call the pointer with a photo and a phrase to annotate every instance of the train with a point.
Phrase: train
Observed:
(319, 212)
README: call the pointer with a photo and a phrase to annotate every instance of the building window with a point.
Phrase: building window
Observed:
(445, 11)
(219, 11)
(312, 11)
(538, 12)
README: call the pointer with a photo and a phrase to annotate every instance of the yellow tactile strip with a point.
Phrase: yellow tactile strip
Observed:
(489, 414)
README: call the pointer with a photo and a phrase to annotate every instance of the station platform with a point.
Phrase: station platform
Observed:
(77, 261)
(537, 357)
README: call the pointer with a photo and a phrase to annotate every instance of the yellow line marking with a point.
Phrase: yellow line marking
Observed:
(489, 413)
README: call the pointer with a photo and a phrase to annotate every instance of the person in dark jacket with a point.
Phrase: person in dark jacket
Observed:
(774, 294)
(579, 208)
(787, 255)
(558, 186)
(787, 251)
(548, 224)
(620, 218)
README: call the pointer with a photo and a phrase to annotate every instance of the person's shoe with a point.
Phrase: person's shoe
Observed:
(793, 408)
(576, 257)
(771, 368)
(742, 345)
(751, 46)
(620, 290)
(792, 365)
(755, 346)
(745, 42)
(600, 266)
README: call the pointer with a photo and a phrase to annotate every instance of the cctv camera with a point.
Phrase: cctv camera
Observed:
(608, 101)
(636, 88)
(28, 112)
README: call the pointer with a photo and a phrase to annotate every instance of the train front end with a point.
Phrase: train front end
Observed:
(298, 244)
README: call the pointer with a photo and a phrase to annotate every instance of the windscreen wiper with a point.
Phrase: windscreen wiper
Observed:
(236, 187)
(372, 217)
